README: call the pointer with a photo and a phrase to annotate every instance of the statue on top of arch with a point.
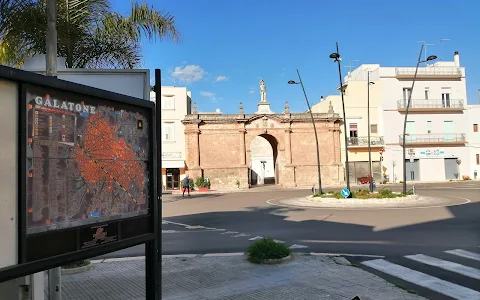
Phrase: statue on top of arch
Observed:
(263, 91)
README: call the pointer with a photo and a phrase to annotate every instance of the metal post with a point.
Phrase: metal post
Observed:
(54, 275)
(55, 284)
(316, 135)
(404, 162)
(369, 145)
(347, 167)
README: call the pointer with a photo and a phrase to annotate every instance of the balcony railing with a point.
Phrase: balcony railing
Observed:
(429, 72)
(422, 104)
(362, 141)
(437, 138)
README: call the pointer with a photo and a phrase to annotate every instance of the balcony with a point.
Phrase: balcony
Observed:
(362, 141)
(434, 139)
(434, 105)
(429, 72)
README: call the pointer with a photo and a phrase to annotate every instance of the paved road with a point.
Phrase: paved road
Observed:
(232, 221)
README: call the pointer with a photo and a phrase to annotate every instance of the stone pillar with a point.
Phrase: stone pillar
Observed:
(197, 148)
(242, 147)
(288, 147)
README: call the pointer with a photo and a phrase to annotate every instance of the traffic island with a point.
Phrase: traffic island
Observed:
(267, 251)
(77, 267)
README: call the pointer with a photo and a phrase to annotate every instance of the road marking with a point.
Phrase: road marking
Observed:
(433, 283)
(256, 238)
(277, 241)
(223, 254)
(194, 227)
(168, 231)
(241, 234)
(297, 246)
(446, 265)
(345, 254)
(463, 253)
(230, 232)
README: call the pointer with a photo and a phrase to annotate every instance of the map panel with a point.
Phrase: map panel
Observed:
(86, 162)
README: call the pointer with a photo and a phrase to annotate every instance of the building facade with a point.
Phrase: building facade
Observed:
(356, 91)
(437, 125)
(473, 138)
(238, 150)
(176, 104)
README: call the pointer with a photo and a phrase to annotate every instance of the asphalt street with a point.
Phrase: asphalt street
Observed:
(207, 223)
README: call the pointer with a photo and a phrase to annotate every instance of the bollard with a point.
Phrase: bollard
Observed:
(414, 190)
(54, 283)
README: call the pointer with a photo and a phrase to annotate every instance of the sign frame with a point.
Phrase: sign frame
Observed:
(29, 261)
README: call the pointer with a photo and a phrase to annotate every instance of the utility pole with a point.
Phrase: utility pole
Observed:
(54, 275)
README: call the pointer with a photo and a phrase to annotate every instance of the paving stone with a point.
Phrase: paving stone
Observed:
(230, 278)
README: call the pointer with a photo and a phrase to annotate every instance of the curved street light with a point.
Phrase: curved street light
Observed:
(369, 83)
(336, 58)
(314, 130)
(404, 163)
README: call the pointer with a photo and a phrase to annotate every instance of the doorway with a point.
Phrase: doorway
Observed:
(263, 160)
(413, 170)
(173, 179)
(451, 168)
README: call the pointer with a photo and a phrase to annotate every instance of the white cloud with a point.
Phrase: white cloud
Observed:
(210, 95)
(251, 92)
(221, 78)
(188, 74)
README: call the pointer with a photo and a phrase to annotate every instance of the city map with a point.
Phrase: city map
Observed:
(85, 162)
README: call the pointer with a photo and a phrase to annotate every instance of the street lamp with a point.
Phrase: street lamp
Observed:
(314, 130)
(404, 163)
(369, 144)
(336, 58)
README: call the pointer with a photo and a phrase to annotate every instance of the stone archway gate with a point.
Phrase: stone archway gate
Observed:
(217, 147)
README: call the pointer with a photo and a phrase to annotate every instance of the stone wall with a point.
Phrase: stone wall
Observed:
(218, 147)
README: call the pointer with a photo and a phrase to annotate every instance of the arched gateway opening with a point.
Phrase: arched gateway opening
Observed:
(263, 160)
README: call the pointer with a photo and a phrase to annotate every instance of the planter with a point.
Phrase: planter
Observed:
(203, 189)
(76, 270)
(277, 261)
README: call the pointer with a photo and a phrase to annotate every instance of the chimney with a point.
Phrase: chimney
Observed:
(456, 59)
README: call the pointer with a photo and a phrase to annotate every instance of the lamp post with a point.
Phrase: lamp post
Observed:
(337, 59)
(314, 130)
(369, 144)
(404, 163)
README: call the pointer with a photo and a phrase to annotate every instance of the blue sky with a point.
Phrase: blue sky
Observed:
(243, 41)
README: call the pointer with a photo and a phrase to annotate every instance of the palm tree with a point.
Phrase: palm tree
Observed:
(90, 35)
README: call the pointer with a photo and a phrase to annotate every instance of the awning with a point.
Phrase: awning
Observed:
(173, 164)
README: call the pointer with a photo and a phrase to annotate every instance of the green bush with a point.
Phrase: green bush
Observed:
(364, 194)
(76, 264)
(266, 248)
(191, 183)
(201, 182)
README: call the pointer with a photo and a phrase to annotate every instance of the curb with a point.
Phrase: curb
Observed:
(98, 261)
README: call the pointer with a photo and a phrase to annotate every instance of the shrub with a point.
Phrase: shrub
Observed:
(191, 183)
(365, 194)
(266, 248)
(76, 264)
(201, 182)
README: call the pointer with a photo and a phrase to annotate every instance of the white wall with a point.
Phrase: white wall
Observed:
(473, 139)
(261, 150)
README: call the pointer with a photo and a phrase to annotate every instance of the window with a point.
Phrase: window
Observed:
(168, 132)
(373, 128)
(478, 159)
(475, 127)
(429, 127)
(168, 102)
(445, 99)
(353, 130)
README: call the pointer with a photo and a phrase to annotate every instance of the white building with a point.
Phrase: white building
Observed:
(176, 103)
(437, 124)
(437, 121)
(473, 138)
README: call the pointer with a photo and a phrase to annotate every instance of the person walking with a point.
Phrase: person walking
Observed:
(186, 185)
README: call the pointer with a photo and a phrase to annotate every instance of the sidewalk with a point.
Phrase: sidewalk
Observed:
(231, 277)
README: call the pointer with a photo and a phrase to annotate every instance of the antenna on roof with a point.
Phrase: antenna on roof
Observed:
(350, 66)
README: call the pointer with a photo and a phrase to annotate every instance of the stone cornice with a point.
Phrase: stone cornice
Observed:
(234, 118)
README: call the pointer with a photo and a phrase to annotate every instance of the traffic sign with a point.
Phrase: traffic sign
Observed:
(380, 151)
(345, 193)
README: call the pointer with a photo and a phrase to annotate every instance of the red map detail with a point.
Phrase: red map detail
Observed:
(106, 156)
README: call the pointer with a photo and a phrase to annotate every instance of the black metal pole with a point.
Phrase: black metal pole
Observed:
(316, 135)
(347, 167)
(369, 145)
(153, 251)
(404, 163)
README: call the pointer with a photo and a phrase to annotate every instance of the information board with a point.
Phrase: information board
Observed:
(87, 162)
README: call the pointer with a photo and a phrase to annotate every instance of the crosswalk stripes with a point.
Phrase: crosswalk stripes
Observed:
(430, 281)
